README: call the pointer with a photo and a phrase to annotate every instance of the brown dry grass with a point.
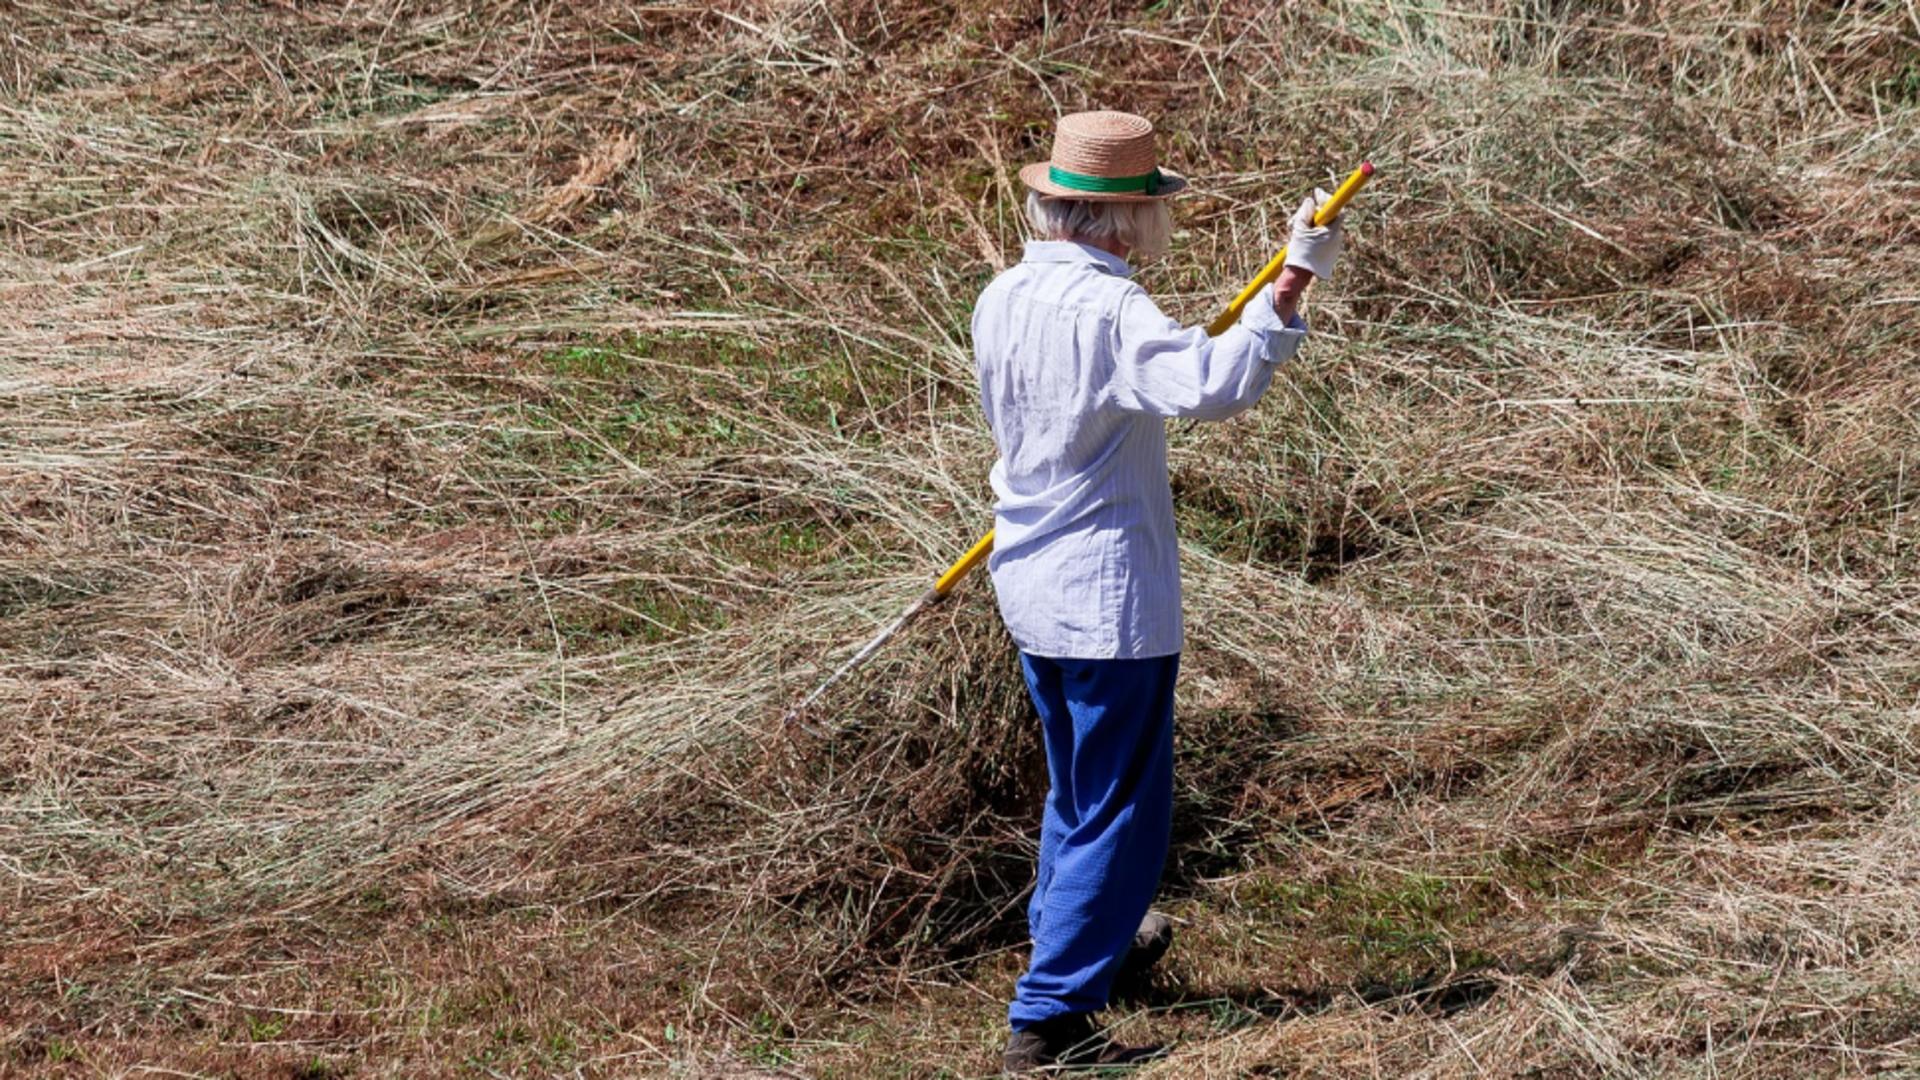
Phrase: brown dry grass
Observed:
(438, 439)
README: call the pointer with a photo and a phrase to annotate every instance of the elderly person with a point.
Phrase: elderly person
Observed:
(1079, 371)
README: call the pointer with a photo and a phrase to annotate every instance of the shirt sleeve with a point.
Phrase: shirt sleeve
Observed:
(1164, 369)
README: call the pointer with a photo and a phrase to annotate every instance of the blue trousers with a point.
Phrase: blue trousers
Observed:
(1108, 726)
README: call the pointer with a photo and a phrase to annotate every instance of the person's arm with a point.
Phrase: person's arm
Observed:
(1164, 369)
(1288, 289)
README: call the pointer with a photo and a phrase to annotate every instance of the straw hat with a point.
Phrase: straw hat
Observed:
(1105, 157)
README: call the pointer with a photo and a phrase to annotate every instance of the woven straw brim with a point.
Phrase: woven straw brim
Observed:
(1035, 177)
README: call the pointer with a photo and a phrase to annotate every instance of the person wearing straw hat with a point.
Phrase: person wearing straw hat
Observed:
(1079, 371)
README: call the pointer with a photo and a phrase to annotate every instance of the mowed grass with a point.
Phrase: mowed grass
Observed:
(438, 442)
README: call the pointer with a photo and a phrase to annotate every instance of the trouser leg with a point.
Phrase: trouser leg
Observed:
(1056, 731)
(1112, 793)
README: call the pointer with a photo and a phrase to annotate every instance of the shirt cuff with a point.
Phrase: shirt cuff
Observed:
(1282, 339)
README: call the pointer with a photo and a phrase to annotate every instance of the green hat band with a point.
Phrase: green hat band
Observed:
(1145, 182)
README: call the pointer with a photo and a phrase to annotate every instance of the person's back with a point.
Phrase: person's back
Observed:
(1079, 370)
(1043, 364)
(1082, 504)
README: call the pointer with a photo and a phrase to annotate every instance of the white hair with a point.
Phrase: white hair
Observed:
(1146, 228)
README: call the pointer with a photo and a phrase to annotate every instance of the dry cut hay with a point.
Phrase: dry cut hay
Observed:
(438, 441)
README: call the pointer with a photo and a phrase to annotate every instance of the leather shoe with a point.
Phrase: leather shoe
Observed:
(1069, 1041)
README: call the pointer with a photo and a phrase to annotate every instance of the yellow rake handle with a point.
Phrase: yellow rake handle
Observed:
(1328, 211)
(979, 551)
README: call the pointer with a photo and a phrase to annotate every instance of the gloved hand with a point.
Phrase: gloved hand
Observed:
(1314, 250)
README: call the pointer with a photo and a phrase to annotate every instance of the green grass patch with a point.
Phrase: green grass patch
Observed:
(1387, 927)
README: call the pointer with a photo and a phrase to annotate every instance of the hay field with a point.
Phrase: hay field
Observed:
(439, 439)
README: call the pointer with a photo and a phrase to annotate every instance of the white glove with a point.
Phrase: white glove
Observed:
(1314, 249)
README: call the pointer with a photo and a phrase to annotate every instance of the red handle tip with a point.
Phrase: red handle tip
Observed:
(1366, 168)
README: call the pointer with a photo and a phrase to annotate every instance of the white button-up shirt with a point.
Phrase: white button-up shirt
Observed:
(1079, 371)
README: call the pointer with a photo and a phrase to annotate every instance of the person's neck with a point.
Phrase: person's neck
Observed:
(1112, 247)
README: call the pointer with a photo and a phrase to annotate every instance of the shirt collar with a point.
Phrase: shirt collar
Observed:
(1072, 251)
